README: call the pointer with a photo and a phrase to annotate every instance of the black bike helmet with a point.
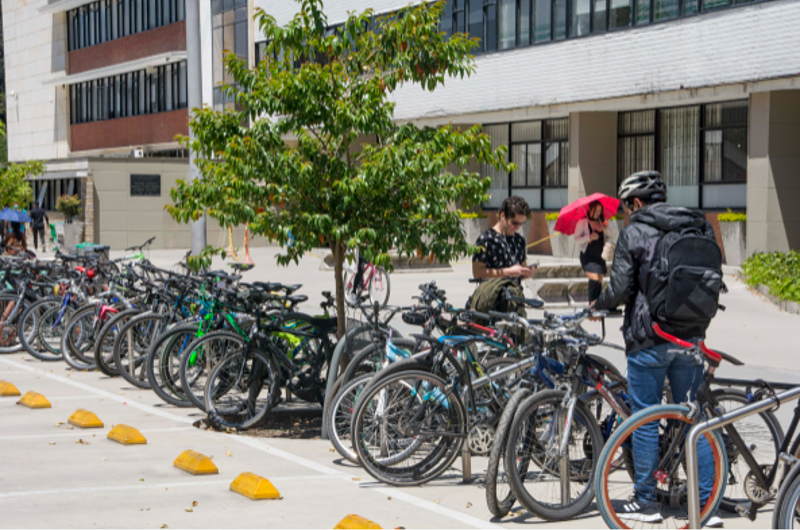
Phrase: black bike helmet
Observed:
(646, 185)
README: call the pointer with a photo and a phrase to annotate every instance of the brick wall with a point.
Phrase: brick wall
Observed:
(132, 131)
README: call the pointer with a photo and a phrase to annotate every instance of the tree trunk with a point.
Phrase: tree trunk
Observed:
(338, 272)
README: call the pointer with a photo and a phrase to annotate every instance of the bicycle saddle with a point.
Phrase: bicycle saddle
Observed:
(297, 299)
(241, 267)
(530, 302)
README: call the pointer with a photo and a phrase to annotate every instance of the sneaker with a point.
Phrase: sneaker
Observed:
(715, 522)
(635, 510)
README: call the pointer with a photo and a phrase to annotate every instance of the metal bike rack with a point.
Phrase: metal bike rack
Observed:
(692, 479)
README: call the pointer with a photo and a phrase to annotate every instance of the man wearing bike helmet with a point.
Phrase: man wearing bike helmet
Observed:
(650, 359)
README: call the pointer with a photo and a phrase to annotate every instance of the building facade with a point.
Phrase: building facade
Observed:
(582, 92)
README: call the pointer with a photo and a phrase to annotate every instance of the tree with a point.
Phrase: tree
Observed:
(14, 188)
(351, 177)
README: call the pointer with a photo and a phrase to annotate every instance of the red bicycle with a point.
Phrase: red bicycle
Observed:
(374, 285)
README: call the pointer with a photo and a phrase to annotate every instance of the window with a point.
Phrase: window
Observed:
(540, 151)
(621, 14)
(542, 16)
(508, 24)
(229, 21)
(599, 22)
(666, 10)
(701, 152)
(560, 19)
(642, 12)
(581, 18)
(105, 20)
(636, 145)
(130, 94)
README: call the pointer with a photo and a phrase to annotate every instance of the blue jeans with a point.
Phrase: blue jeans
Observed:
(647, 370)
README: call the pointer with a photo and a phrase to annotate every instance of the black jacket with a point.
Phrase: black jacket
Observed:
(38, 215)
(635, 248)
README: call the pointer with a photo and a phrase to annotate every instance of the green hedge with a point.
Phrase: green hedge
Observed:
(780, 271)
(552, 216)
(465, 215)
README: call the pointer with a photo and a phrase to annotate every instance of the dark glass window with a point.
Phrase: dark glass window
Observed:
(666, 10)
(642, 12)
(129, 94)
(599, 21)
(560, 22)
(541, 20)
(229, 23)
(105, 20)
(621, 14)
(524, 22)
(581, 18)
(508, 24)
(490, 32)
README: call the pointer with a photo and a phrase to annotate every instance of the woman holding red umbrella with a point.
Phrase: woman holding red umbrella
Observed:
(591, 233)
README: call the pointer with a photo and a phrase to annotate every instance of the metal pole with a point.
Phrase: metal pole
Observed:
(194, 80)
(692, 481)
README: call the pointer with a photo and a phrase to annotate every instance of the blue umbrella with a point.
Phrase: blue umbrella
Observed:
(14, 216)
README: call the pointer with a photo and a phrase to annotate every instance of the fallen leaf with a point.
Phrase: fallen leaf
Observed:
(228, 453)
(437, 501)
(356, 479)
(469, 505)
(52, 443)
(164, 526)
(81, 441)
(194, 503)
(104, 459)
(211, 457)
(189, 510)
(141, 480)
(389, 498)
(70, 427)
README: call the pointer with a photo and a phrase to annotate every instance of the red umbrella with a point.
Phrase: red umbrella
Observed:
(570, 214)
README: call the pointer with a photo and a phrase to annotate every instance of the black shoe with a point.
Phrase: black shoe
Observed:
(635, 510)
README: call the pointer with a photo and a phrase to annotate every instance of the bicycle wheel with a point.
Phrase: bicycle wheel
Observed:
(409, 428)
(762, 434)
(552, 485)
(201, 357)
(241, 390)
(78, 338)
(104, 345)
(379, 287)
(499, 497)
(164, 363)
(340, 414)
(667, 487)
(51, 327)
(350, 300)
(132, 344)
(9, 313)
(28, 328)
(787, 503)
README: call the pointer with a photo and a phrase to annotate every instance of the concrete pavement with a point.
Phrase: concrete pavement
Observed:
(48, 479)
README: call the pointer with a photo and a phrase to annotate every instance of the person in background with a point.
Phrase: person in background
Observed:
(38, 217)
(14, 246)
(503, 252)
(591, 233)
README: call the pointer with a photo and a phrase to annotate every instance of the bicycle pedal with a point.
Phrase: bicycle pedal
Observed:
(742, 510)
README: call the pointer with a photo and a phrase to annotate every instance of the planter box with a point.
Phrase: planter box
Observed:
(563, 246)
(733, 240)
(73, 236)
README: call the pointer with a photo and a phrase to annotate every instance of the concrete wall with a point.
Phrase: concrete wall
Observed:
(35, 50)
(773, 172)
(592, 154)
(121, 220)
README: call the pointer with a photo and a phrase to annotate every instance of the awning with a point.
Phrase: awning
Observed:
(122, 68)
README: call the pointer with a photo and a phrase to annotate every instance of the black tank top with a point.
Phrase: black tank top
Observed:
(595, 248)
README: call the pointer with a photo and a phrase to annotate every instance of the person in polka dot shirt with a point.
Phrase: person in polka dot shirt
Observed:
(502, 252)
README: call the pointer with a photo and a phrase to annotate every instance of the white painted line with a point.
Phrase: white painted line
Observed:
(396, 493)
(51, 399)
(263, 446)
(95, 489)
(141, 406)
(64, 435)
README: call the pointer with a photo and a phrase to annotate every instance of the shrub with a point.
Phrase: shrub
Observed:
(732, 217)
(780, 271)
(69, 205)
(467, 215)
(552, 216)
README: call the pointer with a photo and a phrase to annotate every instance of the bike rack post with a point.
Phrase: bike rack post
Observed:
(466, 462)
(692, 479)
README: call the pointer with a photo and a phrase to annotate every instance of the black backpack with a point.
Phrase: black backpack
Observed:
(684, 280)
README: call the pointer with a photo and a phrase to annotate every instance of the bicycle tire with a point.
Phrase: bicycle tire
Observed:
(338, 416)
(132, 345)
(195, 368)
(226, 376)
(9, 331)
(394, 469)
(772, 428)
(520, 430)
(786, 512)
(499, 500)
(163, 369)
(104, 358)
(50, 332)
(77, 338)
(33, 345)
(659, 413)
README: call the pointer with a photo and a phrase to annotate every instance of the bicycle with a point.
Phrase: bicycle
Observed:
(670, 424)
(375, 283)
